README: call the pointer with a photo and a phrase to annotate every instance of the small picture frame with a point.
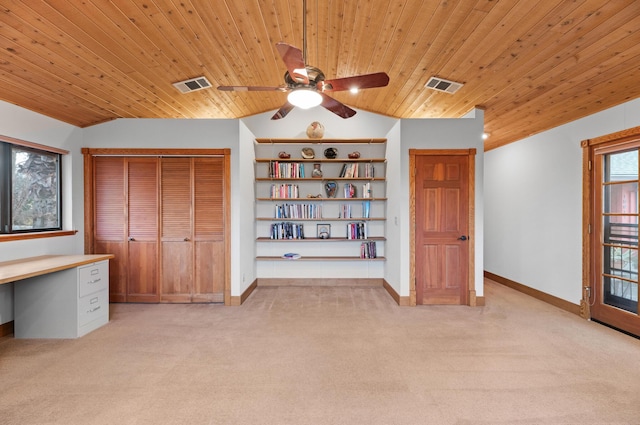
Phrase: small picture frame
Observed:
(324, 231)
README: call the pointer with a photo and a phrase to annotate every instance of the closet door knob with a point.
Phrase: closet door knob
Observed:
(187, 239)
(131, 238)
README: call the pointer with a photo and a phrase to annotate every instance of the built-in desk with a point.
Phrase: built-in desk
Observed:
(58, 296)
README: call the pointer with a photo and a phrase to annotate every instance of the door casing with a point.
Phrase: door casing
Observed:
(611, 143)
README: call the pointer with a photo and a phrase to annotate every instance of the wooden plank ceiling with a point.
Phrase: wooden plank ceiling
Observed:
(532, 65)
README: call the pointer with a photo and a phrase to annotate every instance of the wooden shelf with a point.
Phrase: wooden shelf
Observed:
(323, 160)
(320, 199)
(320, 219)
(320, 259)
(372, 155)
(319, 179)
(374, 238)
(320, 141)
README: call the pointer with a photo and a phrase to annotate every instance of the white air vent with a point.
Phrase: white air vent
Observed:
(193, 84)
(443, 85)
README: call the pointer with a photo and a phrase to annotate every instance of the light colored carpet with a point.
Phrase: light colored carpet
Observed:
(327, 355)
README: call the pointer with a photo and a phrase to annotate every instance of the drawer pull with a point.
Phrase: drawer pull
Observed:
(93, 309)
(94, 281)
(94, 300)
(95, 271)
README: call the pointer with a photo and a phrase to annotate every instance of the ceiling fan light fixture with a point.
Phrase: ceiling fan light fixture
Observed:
(304, 98)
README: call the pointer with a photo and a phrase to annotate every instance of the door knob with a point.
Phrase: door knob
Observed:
(187, 239)
(131, 238)
(462, 238)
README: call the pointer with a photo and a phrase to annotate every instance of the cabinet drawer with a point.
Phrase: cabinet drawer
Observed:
(93, 307)
(93, 278)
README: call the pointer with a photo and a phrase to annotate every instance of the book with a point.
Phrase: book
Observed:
(357, 230)
(366, 209)
(287, 230)
(291, 256)
(368, 250)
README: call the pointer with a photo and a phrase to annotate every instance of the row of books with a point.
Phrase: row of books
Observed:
(345, 211)
(366, 190)
(285, 191)
(298, 211)
(368, 250)
(350, 190)
(353, 170)
(286, 170)
(357, 230)
(287, 230)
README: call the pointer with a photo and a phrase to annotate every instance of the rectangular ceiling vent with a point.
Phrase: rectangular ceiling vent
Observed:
(440, 84)
(193, 84)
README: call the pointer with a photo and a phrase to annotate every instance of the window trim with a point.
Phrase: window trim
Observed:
(32, 145)
(7, 237)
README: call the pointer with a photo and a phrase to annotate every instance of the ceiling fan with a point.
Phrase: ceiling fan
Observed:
(307, 85)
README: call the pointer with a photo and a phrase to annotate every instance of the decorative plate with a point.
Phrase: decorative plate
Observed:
(308, 153)
(331, 153)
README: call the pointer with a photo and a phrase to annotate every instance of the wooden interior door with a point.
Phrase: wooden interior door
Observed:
(110, 226)
(142, 225)
(126, 225)
(208, 230)
(176, 230)
(192, 231)
(442, 229)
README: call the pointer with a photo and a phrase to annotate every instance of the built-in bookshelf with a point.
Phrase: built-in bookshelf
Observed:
(323, 208)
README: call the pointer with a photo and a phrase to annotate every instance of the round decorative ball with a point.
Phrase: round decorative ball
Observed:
(315, 130)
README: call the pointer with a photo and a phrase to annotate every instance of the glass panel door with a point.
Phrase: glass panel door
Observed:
(620, 231)
(616, 263)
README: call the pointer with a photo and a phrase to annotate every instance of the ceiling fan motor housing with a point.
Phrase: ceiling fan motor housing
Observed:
(316, 77)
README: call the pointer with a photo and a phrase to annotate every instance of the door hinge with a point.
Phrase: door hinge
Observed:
(589, 165)
(589, 228)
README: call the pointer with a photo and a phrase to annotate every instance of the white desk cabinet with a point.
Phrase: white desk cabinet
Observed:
(63, 304)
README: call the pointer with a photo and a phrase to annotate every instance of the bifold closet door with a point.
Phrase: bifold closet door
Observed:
(126, 225)
(142, 237)
(191, 230)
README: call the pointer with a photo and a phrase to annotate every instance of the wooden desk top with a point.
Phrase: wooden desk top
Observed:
(24, 268)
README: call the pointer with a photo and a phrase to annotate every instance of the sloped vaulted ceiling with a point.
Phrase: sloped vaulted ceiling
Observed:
(532, 65)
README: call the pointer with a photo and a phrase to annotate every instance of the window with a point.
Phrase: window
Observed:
(30, 196)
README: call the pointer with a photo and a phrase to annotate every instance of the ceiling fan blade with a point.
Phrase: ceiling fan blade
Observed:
(365, 81)
(251, 88)
(336, 107)
(283, 111)
(293, 59)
